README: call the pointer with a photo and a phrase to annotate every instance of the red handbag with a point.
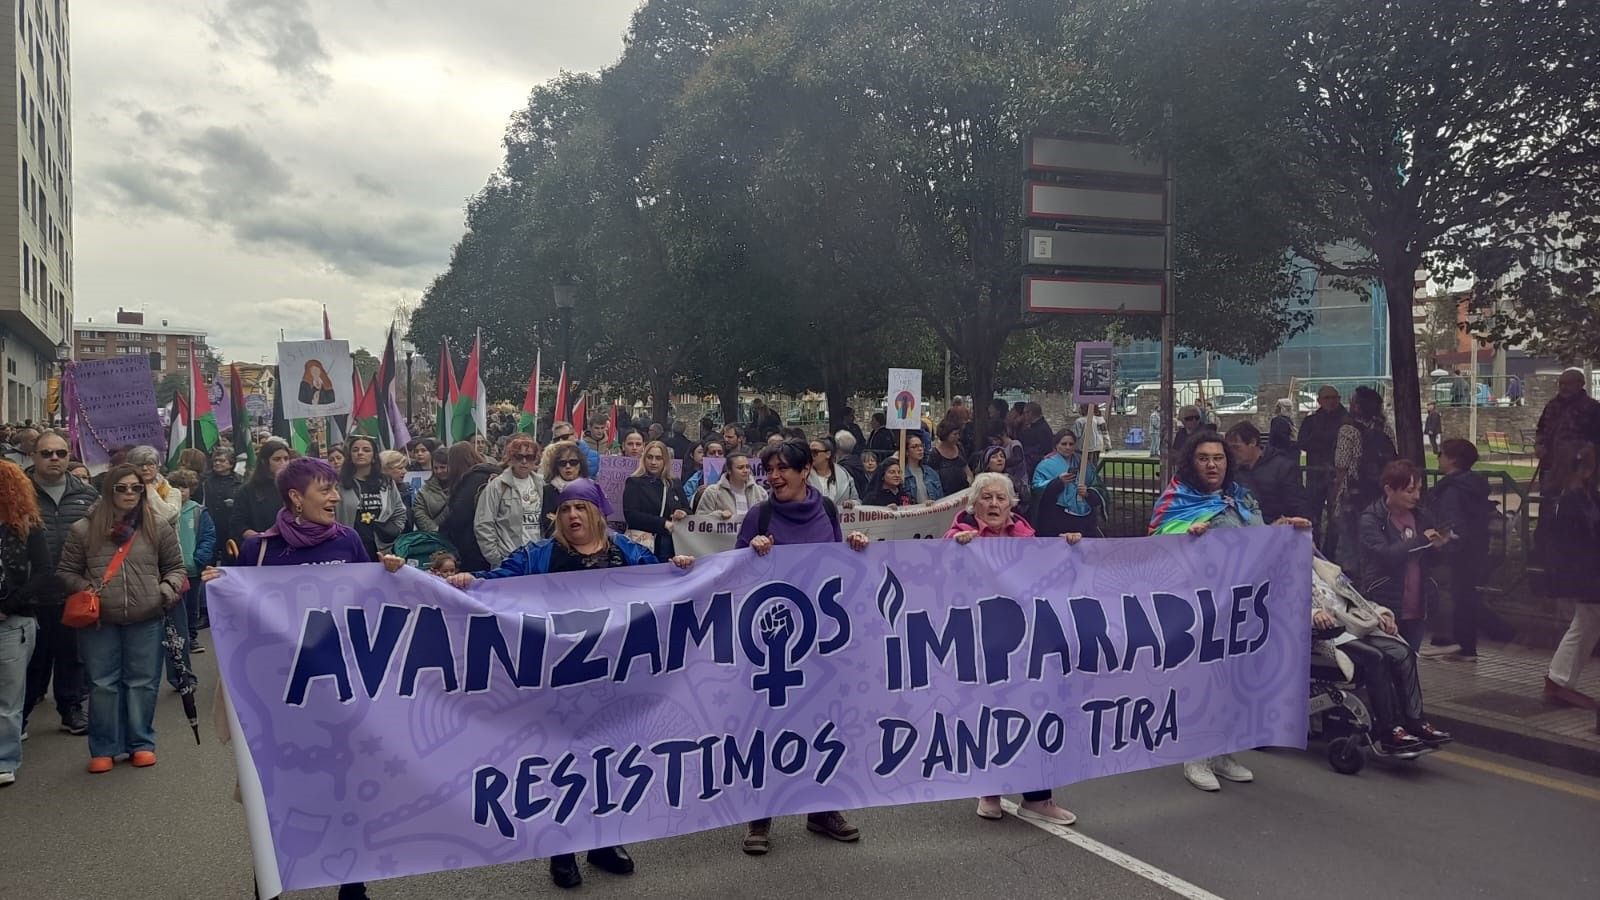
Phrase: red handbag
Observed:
(83, 607)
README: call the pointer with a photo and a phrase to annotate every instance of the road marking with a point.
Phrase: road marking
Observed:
(1116, 857)
(1505, 771)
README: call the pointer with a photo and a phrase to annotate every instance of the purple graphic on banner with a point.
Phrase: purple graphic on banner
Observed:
(711, 469)
(115, 407)
(400, 726)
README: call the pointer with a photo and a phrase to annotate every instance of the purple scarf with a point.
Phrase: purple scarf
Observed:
(301, 533)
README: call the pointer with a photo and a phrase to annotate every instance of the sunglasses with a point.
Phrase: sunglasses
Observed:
(525, 457)
(128, 488)
(817, 450)
(568, 462)
(51, 454)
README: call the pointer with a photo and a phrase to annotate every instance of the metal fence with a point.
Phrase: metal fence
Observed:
(1133, 483)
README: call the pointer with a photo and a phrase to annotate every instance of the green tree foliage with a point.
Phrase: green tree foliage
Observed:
(798, 195)
(1458, 137)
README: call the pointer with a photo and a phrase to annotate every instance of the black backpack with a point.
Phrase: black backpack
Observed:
(1377, 451)
(764, 514)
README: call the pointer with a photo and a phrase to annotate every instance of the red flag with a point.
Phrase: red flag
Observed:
(579, 412)
(611, 426)
(560, 411)
(327, 330)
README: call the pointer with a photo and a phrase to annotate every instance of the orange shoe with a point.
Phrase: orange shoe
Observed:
(143, 758)
(100, 764)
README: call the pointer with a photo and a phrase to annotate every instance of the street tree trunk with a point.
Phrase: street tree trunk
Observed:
(660, 396)
(728, 396)
(1398, 285)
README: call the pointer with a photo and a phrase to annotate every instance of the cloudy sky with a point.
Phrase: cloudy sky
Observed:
(240, 163)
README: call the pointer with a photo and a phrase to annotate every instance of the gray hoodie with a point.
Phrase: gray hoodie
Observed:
(505, 521)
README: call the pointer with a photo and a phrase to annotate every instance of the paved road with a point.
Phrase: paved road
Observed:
(1459, 824)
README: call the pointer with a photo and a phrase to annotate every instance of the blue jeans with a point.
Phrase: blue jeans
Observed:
(179, 616)
(122, 664)
(18, 634)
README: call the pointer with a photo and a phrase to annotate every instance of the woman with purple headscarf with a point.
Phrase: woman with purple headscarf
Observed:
(307, 533)
(580, 542)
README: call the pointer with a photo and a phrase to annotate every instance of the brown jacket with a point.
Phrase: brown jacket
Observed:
(150, 581)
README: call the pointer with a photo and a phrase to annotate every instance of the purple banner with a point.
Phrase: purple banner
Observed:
(114, 407)
(400, 726)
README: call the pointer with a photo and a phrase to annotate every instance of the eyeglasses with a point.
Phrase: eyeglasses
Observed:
(51, 454)
(525, 457)
(128, 488)
(568, 462)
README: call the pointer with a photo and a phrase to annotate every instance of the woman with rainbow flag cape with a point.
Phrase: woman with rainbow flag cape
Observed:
(1204, 495)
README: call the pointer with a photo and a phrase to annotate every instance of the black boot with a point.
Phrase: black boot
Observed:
(612, 859)
(355, 890)
(564, 870)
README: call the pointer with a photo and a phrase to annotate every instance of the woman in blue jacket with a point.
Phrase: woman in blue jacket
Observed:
(581, 542)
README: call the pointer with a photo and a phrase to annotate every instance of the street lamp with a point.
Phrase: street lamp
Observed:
(566, 299)
(63, 356)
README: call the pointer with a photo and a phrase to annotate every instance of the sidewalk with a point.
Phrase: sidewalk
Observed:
(1498, 704)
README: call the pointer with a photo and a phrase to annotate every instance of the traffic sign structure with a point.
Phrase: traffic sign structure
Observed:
(1090, 249)
(1088, 295)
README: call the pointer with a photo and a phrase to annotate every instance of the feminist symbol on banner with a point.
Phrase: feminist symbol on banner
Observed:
(767, 631)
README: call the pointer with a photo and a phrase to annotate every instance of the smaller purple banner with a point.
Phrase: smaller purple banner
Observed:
(115, 407)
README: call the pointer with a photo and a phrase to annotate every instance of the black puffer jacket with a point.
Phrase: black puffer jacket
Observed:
(77, 499)
(457, 527)
(1275, 482)
(28, 583)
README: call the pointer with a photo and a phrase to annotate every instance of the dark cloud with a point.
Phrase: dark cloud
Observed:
(279, 32)
(354, 247)
(236, 172)
(140, 185)
(150, 123)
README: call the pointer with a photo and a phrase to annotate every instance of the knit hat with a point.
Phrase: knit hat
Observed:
(587, 491)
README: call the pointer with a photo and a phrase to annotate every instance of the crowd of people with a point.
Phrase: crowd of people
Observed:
(146, 541)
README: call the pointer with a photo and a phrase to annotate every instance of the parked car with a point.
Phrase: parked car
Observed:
(1234, 404)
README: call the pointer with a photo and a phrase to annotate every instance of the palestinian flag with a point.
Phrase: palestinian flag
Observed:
(293, 432)
(177, 431)
(240, 418)
(203, 431)
(580, 412)
(529, 423)
(389, 424)
(445, 391)
(470, 411)
(611, 426)
(559, 414)
(364, 420)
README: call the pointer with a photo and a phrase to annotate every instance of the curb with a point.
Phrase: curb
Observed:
(1489, 733)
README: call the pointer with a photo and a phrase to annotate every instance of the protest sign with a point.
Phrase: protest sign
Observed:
(613, 478)
(316, 378)
(115, 408)
(1094, 373)
(707, 534)
(388, 724)
(904, 411)
(711, 469)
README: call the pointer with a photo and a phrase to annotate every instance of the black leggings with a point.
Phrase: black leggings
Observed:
(1036, 796)
(1388, 670)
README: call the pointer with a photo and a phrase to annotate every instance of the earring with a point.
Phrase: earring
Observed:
(297, 520)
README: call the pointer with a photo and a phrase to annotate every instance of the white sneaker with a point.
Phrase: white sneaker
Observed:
(1045, 811)
(1233, 770)
(989, 808)
(8, 778)
(1200, 775)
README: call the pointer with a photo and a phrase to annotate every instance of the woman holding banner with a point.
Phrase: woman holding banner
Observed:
(991, 512)
(581, 543)
(794, 513)
(305, 532)
(652, 502)
(1067, 489)
(1203, 496)
(564, 463)
(736, 492)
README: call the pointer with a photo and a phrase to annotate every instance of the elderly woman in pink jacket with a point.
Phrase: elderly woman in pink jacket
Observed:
(991, 512)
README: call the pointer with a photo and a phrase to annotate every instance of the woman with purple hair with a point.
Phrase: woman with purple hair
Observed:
(307, 533)
(581, 542)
